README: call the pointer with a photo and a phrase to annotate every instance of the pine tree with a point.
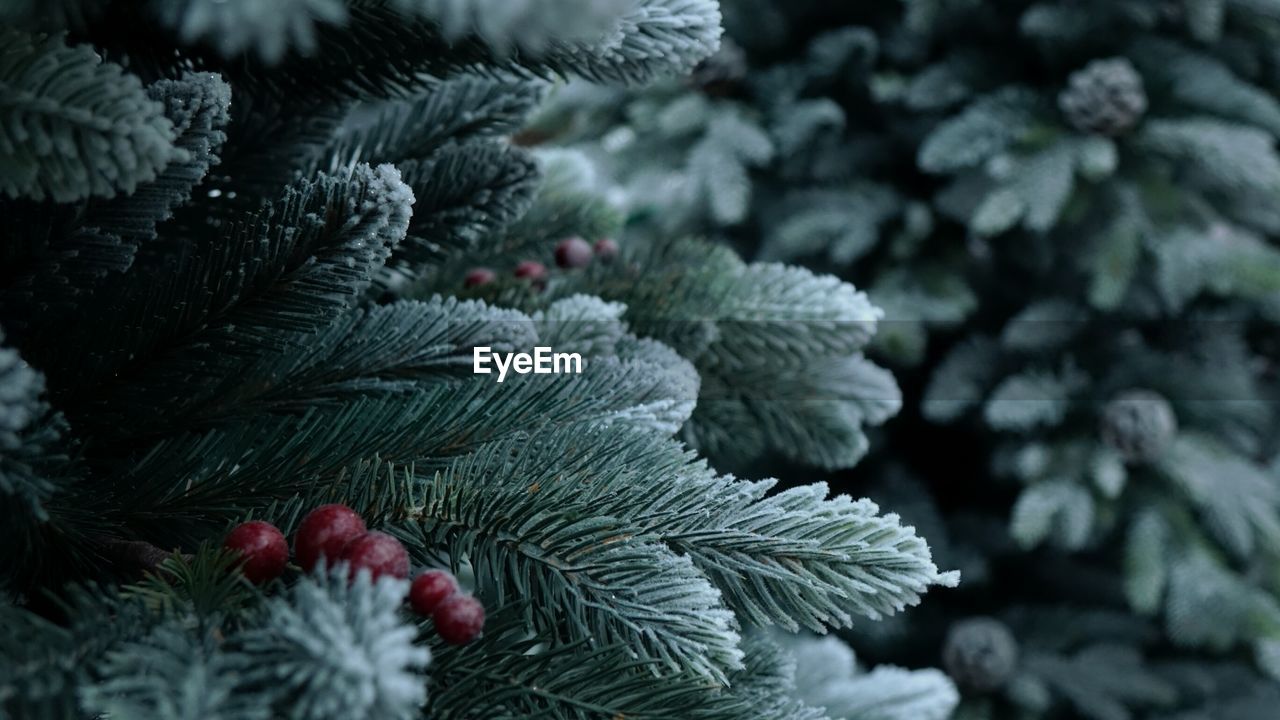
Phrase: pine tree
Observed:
(1067, 212)
(232, 287)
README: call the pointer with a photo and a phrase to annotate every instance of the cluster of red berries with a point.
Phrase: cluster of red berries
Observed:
(458, 616)
(571, 253)
(336, 533)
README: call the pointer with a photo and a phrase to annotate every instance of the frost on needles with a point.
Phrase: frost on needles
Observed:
(230, 289)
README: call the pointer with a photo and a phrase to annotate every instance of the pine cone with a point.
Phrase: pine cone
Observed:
(723, 72)
(1106, 97)
(980, 654)
(1139, 424)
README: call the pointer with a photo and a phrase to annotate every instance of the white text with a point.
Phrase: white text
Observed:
(542, 362)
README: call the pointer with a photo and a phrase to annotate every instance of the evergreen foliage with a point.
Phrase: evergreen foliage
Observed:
(234, 284)
(828, 677)
(1067, 212)
(75, 126)
(231, 290)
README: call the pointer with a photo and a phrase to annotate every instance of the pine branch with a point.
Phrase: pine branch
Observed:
(282, 273)
(382, 351)
(1238, 501)
(584, 324)
(657, 38)
(820, 316)
(339, 648)
(785, 367)
(778, 349)
(185, 646)
(508, 676)
(985, 128)
(843, 223)
(188, 480)
(465, 193)
(173, 673)
(1230, 157)
(609, 580)
(42, 483)
(768, 682)
(43, 665)
(74, 126)
(819, 559)
(457, 109)
(381, 53)
(1032, 398)
(104, 236)
(827, 676)
(198, 105)
(1204, 83)
(543, 514)
(37, 666)
(28, 436)
(202, 585)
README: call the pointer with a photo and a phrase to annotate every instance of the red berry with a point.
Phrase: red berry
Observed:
(573, 252)
(262, 548)
(477, 277)
(325, 531)
(459, 619)
(430, 589)
(606, 249)
(531, 270)
(379, 553)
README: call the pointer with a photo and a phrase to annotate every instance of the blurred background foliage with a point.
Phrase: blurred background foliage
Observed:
(1068, 211)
